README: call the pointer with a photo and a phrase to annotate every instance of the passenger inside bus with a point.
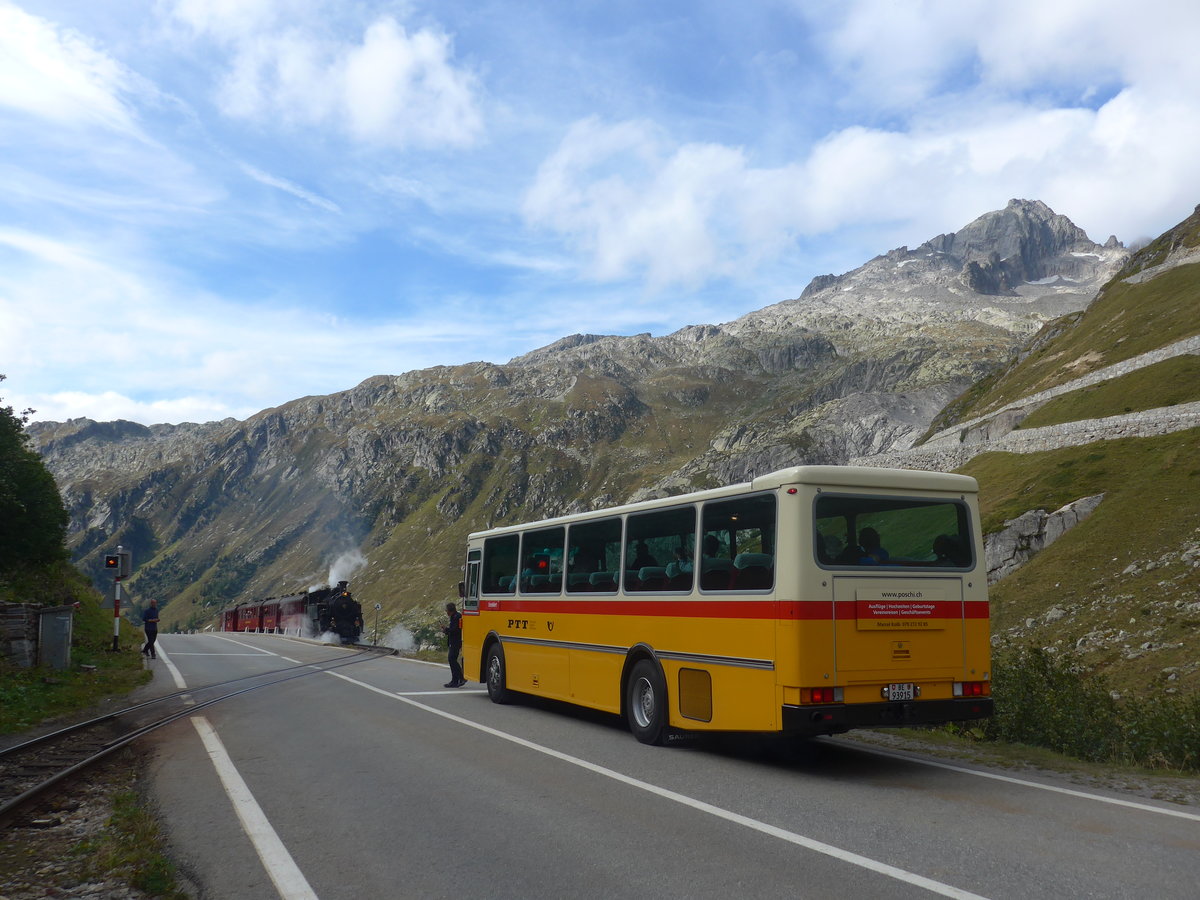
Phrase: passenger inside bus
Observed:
(681, 564)
(715, 571)
(643, 557)
(947, 551)
(831, 547)
(872, 552)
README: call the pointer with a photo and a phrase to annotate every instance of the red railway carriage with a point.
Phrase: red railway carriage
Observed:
(295, 616)
(249, 616)
(270, 615)
(229, 619)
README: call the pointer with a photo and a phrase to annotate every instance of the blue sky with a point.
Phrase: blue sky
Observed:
(211, 207)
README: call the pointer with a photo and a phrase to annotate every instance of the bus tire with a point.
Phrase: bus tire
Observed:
(646, 703)
(495, 676)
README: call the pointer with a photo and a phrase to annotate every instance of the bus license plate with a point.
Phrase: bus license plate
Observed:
(900, 691)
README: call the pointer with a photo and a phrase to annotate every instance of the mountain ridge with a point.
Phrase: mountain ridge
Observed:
(401, 467)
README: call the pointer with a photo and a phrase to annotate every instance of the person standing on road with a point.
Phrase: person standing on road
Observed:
(453, 633)
(150, 623)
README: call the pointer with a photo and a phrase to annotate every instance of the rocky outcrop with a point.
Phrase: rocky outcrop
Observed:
(1027, 535)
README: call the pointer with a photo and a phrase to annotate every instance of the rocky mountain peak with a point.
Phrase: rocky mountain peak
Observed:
(1014, 268)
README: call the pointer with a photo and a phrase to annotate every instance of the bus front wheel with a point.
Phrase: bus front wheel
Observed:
(496, 687)
(646, 703)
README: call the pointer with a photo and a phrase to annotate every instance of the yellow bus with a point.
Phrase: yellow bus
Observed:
(812, 600)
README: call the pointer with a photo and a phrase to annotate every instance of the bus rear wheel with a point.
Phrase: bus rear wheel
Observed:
(496, 687)
(646, 703)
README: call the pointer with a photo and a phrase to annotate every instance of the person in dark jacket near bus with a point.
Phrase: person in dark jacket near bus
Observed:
(150, 623)
(453, 633)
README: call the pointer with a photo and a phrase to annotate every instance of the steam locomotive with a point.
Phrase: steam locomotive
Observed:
(313, 614)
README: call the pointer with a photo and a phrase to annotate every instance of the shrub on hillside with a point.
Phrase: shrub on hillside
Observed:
(1048, 700)
(1043, 699)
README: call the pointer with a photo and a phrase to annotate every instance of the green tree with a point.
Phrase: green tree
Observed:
(33, 520)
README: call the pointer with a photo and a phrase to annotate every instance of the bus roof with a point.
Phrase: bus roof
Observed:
(868, 476)
(823, 476)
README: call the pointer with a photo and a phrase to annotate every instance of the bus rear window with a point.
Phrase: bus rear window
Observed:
(853, 531)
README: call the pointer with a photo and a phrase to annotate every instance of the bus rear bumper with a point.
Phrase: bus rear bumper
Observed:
(834, 719)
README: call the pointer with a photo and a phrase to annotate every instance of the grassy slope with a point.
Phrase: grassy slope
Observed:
(1167, 383)
(1150, 514)
(1124, 321)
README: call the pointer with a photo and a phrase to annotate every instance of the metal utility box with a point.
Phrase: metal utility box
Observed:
(54, 636)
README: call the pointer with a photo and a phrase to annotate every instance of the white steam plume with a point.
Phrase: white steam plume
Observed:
(399, 638)
(346, 566)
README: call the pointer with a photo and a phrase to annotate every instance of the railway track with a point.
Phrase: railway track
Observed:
(30, 771)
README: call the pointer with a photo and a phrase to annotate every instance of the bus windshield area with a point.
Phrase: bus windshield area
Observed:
(853, 531)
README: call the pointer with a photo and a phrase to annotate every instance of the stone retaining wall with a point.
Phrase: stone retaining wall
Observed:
(954, 436)
(943, 458)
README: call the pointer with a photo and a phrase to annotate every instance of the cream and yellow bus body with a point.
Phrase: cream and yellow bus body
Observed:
(826, 640)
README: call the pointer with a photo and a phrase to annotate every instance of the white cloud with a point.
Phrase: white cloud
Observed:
(57, 74)
(627, 203)
(898, 55)
(108, 406)
(291, 188)
(984, 109)
(239, 19)
(392, 88)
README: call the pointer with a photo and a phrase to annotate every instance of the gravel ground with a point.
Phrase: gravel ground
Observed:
(40, 856)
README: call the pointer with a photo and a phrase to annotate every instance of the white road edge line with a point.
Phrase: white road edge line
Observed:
(176, 675)
(792, 837)
(287, 877)
(1099, 798)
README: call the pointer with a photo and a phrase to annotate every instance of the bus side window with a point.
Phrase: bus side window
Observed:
(500, 564)
(738, 544)
(593, 556)
(658, 550)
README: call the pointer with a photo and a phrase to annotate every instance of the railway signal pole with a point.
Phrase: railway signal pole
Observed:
(121, 565)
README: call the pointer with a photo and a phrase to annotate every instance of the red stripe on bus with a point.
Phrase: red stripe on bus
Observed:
(715, 609)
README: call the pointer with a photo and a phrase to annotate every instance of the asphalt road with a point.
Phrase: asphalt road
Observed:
(374, 781)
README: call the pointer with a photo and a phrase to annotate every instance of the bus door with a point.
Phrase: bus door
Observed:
(470, 589)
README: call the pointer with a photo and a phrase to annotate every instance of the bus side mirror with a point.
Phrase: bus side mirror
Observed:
(462, 589)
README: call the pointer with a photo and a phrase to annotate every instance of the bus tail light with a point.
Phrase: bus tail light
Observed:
(821, 695)
(972, 689)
